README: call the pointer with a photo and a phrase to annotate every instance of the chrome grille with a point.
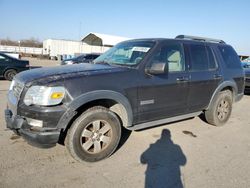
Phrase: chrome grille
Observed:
(17, 89)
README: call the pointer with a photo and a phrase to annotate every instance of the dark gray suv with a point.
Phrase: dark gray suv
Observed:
(136, 84)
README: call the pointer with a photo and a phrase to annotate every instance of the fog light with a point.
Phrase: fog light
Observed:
(34, 122)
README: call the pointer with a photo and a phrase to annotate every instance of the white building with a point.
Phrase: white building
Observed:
(97, 39)
(91, 43)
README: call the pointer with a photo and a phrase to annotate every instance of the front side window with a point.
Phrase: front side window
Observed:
(199, 59)
(173, 55)
(126, 53)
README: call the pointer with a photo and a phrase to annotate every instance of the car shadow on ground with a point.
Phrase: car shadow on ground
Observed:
(2, 78)
(203, 118)
(163, 159)
(124, 137)
(247, 93)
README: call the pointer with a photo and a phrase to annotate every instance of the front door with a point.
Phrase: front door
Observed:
(164, 95)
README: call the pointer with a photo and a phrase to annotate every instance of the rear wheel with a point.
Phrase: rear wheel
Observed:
(221, 109)
(9, 74)
(94, 135)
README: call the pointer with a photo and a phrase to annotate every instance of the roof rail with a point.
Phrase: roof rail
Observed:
(188, 37)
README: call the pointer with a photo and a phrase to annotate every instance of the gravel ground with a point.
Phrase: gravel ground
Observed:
(188, 153)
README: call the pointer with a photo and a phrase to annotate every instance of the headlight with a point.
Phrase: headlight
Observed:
(44, 96)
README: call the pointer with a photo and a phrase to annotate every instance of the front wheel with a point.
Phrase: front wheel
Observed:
(9, 74)
(221, 109)
(94, 135)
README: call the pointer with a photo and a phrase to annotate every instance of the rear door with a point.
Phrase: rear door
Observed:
(205, 75)
(165, 95)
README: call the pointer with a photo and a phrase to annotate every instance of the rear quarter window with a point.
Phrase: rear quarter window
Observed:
(230, 57)
(211, 58)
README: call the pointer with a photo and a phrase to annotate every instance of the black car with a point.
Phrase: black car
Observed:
(85, 58)
(10, 66)
(136, 84)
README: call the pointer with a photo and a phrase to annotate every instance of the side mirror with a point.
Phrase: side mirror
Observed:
(157, 68)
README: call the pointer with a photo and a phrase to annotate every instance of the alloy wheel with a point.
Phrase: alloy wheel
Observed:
(96, 136)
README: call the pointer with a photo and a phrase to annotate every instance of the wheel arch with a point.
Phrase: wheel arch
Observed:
(9, 68)
(115, 101)
(226, 85)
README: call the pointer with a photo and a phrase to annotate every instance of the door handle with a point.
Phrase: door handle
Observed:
(182, 79)
(217, 76)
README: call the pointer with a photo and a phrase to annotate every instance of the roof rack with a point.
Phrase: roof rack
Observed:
(188, 37)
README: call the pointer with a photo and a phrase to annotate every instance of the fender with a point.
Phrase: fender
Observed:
(96, 95)
(228, 83)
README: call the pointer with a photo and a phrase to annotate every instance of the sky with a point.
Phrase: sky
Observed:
(228, 20)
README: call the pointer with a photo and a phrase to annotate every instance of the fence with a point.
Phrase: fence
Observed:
(17, 49)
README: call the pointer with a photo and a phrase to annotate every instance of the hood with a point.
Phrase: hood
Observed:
(55, 73)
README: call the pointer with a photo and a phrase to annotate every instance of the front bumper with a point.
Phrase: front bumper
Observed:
(42, 137)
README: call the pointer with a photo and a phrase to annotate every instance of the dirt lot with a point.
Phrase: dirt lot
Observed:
(189, 153)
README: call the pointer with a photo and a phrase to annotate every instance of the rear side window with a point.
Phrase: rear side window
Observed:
(199, 59)
(211, 59)
(230, 57)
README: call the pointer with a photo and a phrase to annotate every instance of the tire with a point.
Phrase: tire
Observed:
(9, 74)
(94, 135)
(221, 109)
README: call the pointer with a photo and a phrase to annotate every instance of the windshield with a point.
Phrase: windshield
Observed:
(126, 53)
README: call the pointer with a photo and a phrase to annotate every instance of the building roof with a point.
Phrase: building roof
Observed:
(98, 39)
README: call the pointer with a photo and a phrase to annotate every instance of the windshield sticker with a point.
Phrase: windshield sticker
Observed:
(140, 49)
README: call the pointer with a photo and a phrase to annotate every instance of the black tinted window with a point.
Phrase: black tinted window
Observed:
(230, 57)
(211, 58)
(199, 60)
(95, 56)
(88, 57)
